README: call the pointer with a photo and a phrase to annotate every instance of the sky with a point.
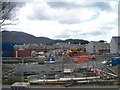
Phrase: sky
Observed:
(92, 21)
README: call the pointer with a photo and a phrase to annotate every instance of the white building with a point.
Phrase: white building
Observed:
(115, 45)
(97, 47)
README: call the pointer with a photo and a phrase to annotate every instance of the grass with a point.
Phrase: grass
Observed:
(11, 80)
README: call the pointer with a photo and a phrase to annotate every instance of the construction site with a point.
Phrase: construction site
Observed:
(63, 69)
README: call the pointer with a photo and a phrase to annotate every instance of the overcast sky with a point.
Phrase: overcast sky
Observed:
(91, 21)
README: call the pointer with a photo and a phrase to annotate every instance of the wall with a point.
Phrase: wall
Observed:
(114, 45)
(24, 53)
(97, 47)
(89, 48)
(7, 49)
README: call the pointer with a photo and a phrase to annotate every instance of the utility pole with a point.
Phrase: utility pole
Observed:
(71, 68)
(22, 73)
(62, 64)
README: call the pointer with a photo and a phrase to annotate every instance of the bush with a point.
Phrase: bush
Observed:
(11, 80)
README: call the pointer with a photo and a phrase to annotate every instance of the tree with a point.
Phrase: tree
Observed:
(6, 8)
(8, 12)
(102, 41)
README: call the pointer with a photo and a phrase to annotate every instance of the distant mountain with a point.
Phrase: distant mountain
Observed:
(25, 38)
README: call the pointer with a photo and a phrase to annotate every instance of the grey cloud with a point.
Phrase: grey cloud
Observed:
(70, 5)
(95, 33)
(91, 33)
(102, 5)
(69, 21)
(83, 34)
(42, 17)
(106, 28)
(40, 14)
(68, 34)
(36, 17)
(66, 5)
(62, 35)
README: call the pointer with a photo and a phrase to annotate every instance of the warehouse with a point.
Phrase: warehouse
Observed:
(97, 47)
(115, 45)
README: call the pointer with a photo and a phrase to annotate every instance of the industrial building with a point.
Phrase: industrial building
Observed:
(115, 45)
(7, 49)
(97, 47)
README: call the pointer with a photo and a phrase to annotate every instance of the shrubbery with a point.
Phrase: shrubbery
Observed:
(11, 80)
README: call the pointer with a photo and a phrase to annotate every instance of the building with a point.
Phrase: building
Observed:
(21, 51)
(28, 50)
(7, 49)
(115, 45)
(70, 46)
(97, 47)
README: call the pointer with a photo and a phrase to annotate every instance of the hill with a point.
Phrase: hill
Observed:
(25, 38)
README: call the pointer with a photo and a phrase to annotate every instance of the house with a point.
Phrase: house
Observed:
(97, 47)
(115, 45)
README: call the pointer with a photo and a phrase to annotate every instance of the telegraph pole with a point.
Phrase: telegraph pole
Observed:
(22, 73)
(62, 66)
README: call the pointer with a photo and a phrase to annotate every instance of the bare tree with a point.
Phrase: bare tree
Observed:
(6, 8)
(8, 12)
